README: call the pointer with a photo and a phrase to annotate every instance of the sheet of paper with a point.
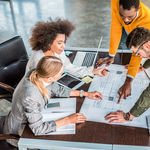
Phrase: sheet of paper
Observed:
(87, 79)
(108, 86)
(67, 107)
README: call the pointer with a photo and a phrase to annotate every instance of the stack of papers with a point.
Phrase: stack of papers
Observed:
(66, 107)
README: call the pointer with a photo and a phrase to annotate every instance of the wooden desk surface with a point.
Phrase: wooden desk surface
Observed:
(90, 132)
(93, 132)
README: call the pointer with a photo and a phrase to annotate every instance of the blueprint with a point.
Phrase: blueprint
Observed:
(66, 108)
(96, 110)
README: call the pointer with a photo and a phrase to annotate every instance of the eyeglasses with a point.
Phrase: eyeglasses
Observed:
(140, 48)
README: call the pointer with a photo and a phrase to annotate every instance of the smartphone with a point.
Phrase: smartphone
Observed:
(52, 105)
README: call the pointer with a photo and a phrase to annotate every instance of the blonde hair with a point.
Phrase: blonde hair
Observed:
(48, 66)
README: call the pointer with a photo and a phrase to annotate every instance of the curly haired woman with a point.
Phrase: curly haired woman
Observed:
(48, 39)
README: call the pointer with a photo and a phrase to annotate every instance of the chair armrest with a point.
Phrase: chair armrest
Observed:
(9, 136)
(6, 87)
(5, 96)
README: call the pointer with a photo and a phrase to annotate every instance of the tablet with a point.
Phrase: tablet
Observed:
(70, 81)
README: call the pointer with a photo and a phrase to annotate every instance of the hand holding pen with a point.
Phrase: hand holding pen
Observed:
(95, 95)
(100, 71)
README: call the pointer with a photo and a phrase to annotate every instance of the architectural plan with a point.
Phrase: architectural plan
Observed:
(96, 110)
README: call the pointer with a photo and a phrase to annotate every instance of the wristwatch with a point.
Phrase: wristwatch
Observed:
(127, 116)
(81, 91)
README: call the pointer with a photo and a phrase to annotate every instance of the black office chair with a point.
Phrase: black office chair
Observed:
(13, 60)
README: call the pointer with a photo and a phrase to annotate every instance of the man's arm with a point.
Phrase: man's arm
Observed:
(134, 65)
(116, 29)
(139, 108)
(142, 104)
(125, 90)
(115, 35)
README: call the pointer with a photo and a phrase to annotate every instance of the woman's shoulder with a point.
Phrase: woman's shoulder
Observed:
(34, 59)
(37, 54)
(26, 88)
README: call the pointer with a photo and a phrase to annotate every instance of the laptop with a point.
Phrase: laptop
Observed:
(86, 58)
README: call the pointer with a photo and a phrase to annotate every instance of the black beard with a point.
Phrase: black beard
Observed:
(128, 23)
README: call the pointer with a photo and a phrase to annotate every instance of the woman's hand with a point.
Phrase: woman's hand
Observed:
(94, 95)
(74, 118)
(100, 71)
(77, 118)
(107, 60)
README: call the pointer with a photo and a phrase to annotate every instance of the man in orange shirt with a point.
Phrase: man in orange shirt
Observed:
(126, 15)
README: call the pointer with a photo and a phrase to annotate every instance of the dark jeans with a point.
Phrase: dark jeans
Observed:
(122, 44)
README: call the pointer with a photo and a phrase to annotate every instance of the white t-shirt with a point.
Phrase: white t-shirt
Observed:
(68, 66)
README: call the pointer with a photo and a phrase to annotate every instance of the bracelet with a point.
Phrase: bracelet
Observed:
(81, 91)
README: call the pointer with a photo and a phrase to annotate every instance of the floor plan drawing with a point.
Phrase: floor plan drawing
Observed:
(108, 86)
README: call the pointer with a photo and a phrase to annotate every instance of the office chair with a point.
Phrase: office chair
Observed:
(13, 60)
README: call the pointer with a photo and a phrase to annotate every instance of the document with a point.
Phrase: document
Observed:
(66, 107)
(96, 110)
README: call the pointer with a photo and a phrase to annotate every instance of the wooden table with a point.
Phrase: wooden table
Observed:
(91, 135)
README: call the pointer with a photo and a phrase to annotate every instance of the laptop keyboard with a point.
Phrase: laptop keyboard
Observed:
(88, 59)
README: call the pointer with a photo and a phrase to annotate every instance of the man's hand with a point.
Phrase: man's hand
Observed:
(108, 60)
(119, 116)
(125, 90)
(100, 71)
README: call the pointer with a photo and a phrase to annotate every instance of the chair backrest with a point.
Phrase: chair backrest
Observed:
(13, 60)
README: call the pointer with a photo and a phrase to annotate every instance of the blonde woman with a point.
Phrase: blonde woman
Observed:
(32, 94)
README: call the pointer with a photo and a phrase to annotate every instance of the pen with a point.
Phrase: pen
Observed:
(107, 70)
(97, 96)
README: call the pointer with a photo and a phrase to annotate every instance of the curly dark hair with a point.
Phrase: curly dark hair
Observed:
(44, 33)
(128, 4)
(137, 37)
